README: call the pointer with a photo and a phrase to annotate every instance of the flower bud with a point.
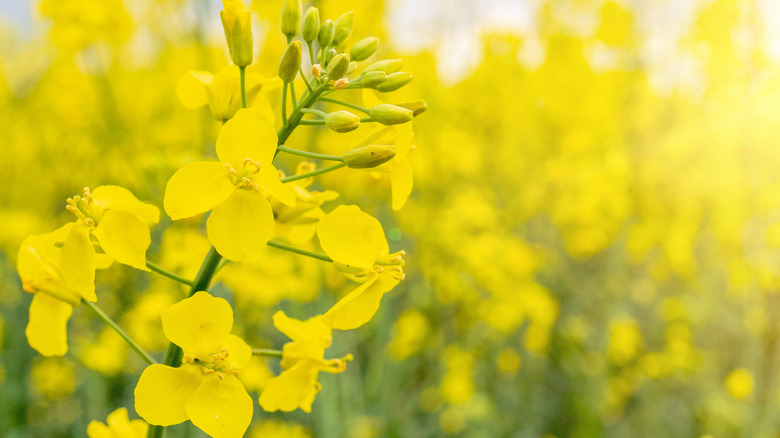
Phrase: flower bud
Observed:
(237, 22)
(364, 48)
(338, 66)
(395, 81)
(291, 62)
(387, 114)
(386, 65)
(291, 17)
(366, 157)
(372, 79)
(342, 121)
(316, 70)
(341, 84)
(343, 27)
(417, 106)
(325, 36)
(311, 24)
(329, 54)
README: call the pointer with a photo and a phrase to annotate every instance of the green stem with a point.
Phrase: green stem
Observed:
(287, 247)
(110, 322)
(294, 100)
(266, 352)
(242, 72)
(346, 104)
(366, 120)
(284, 105)
(168, 274)
(297, 114)
(307, 154)
(311, 53)
(311, 122)
(305, 81)
(314, 111)
(314, 173)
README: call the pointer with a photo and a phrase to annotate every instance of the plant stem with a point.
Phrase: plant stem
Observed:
(305, 81)
(366, 120)
(294, 100)
(314, 173)
(287, 247)
(311, 122)
(311, 53)
(346, 104)
(266, 352)
(296, 115)
(284, 105)
(314, 111)
(242, 72)
(168, 274)
(111, 323)
(307, 154)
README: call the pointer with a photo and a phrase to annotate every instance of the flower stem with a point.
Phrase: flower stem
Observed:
(311, 122)
(266, 352)
(346, 104)
(168, 274)
(110, 322)
(307, 154)
(284, 106)
(287, 247)
(314, 111)
(242, 72)
(314, 173)
(295, 117)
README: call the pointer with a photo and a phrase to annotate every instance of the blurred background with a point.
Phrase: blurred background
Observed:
(592, 241)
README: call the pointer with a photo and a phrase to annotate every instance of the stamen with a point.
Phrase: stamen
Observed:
(72, 209)
(87, 196)
(341, 84)
(249, 161)
(89, 222)
(220, 376)
(230, 169)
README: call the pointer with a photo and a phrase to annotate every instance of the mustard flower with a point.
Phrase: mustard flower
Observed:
(298, 223)
(302, 361)
(204, 389)
(356, 243)
(235, 188)
(118, 222)
(118, 425)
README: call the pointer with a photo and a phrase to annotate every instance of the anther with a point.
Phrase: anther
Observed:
(72, 209)
(87, 196)
(316, 70)
(89, 222)
(230, 169)
(249, 161)
(220, 376)
(341, 84)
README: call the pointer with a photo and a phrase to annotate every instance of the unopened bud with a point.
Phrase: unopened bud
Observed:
(311, 24)
(329, 55)
(343, 27)
(291, 61)
(338, 66)
(372, 79)
(342, 121)
(316, 70)
(327, 30)
(366, 157)
(417, 106)
(395, 81)
(387, 114)
(386, 65)
(364, 48)
(291, 17)
(237, 22)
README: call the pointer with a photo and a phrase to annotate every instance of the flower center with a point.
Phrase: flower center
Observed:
(243, 179)
(83, 208)
(217, 364)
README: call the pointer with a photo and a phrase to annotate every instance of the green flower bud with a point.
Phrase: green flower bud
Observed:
(291, 17)
(386, 65)
(329, 55)
(387, 114)
(338, 66)
(325, 37)
(417, 106)
(342, 121)
(372, 79)
(311, 24)
(395, 81)
(237, 21)
(343, 27)
(351, 69)
(291, 62)
(364, 48)
(366, 157)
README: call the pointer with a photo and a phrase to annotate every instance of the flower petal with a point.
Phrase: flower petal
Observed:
(162, 392)
(196, 188)
(221, 408)
(268, 178)
(119, 198)
(351, 237)
(124, 237)
(191, 88)
(77, 262)
(401, 181)
(241, 226)
(247, 135)
(47, 328)
(312, 329)
(294, 388)
(360, 305)
(240, 352)
(199, 324)
(96, 429)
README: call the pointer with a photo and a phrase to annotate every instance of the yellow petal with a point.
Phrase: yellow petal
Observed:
(98, 430)
(356, 308)
(351, 237)
(221, 408)
(241, 226)
(119, 198)
(38, 266)
(191, 88)
(240, 352)
(404, 140)
(196, 188)
(269, 179)
(247, 135)
(262, 106)
(370, 99)
(381, 135)
(77, 262)
(47, 328)
(124, 237)
(401, 181)
(312, 329)
(199, 324)
(294, 388)
(162, 392)
(294, 352)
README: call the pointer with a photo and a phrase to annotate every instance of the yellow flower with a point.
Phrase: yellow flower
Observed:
(222, 92)
(302, 361)
(298, 223)
(242, 220)
(118, 221)
(204, 389)
(119, 426)
(38, 264)
(356, 243)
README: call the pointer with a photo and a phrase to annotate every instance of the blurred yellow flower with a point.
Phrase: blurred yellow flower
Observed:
(739, 384)
(204, 389)
(118, 425)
